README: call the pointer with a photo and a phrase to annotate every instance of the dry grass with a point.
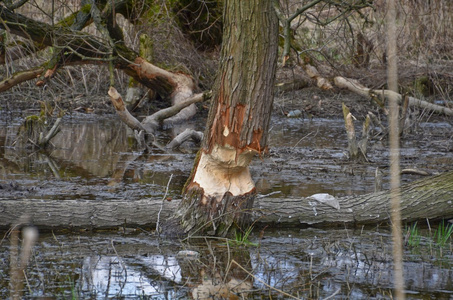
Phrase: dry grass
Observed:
(172, 50)
(425, 46)
(425, 43)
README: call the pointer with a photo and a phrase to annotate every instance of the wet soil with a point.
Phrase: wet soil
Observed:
(95, 158)
(306, 264)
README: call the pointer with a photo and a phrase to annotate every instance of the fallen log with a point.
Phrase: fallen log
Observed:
(356, 87)
(430, 198)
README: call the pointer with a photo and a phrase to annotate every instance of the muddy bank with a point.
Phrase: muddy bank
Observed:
(94, 159)
(94, 155)
(309, 263)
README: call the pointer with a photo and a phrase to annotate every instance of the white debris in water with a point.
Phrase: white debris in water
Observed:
(294, 114)
(188, 254)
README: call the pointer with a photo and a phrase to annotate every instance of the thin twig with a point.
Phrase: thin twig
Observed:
(334, 294)
(272, 288)
(162, 204)
(267, 195)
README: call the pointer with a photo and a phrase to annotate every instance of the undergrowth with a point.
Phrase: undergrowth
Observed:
(439, 239)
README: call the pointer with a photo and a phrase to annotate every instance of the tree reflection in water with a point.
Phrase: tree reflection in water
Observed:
(310, 263)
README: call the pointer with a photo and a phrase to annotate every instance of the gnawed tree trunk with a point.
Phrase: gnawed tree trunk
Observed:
(429, 198)
(220, 191)
(357, 149)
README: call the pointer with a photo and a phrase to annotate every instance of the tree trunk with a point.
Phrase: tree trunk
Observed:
(430, 198)
(220, 190)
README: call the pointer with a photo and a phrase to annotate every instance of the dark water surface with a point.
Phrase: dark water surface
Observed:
(307, 263)
(94, 158)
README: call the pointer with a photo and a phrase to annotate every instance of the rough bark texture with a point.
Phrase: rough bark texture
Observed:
(220, 190)
(82, 48)
(429, 198)
(20, 77)
(379, 95)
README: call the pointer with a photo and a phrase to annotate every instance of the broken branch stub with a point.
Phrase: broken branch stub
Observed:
(357, 150)
(122, 111)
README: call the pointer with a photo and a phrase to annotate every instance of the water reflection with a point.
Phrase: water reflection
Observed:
(310, 263)
(94, 158)
(100, 150)
(306, 157)
(113, 276)
(92, 151)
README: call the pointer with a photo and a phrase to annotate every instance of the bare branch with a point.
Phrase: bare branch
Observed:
(155, 120)
(356, 87)
(20, 77)
(187, 134)
(16, 5)
(52, 132)
(122, 112)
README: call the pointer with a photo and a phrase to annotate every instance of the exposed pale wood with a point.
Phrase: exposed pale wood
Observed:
(349, 126)
(88, 49)
(220, 192)
(122, 111)
(321, 82)
(357, 149)
(429, 198)
(224, 171)
(184, 136)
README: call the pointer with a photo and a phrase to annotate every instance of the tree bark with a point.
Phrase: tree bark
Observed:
(429, 198)
(76, 47)
(82, 48)
(20, 77)
(356, 87)
(220, 190)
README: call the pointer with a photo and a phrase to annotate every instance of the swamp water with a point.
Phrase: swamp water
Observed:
(94, 159)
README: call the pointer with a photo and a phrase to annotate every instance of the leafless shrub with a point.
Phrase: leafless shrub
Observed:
(347, 40)
(172, 50)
